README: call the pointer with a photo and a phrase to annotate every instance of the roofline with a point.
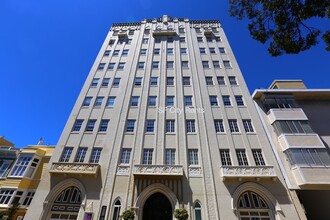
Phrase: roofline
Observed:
(257, 93)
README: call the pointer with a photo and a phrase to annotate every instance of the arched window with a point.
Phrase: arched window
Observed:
(198, 211)
(116, 210)
(251, 206)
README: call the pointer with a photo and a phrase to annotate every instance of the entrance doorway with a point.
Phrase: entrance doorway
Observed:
(157, 207)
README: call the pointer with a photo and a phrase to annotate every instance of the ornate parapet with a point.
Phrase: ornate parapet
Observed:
(158, 170)
(74, 168)
(166, 32)
(241, 172)
(123, 170)
(195, 171)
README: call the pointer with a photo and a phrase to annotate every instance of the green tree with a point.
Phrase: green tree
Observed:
(284, 23)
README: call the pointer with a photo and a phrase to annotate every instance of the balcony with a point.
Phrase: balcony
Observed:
(311, 175)
(299, 140)
(168, 32)
(74, 168)
(275, 114)
(246, 172)
(122, 34)
(158, 170)
(207, 31)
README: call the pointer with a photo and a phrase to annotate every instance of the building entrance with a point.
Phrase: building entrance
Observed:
(157, 207)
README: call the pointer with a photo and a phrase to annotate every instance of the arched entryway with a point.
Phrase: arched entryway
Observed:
(157, 206)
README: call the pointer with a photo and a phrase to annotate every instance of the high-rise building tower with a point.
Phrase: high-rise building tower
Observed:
(164, 121)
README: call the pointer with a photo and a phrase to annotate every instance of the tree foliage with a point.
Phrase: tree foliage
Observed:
(284, 22)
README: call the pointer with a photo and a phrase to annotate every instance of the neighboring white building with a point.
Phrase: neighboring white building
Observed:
(164, 121)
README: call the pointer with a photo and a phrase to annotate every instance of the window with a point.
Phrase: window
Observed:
(112, 42)
(116, 211)
(107, 53)
(98, 101)
(170, 125)
(209, 80)
(183, 50)
(225, 157)
(169, 64)
(170, 157)
(212, 50)
(218, 124)
(241, 157)
(209, 39)
(143, 52)
(153, 81)
(121, 66)
(87, 101)
(170, 39)
(152, 100)
(252, 206)
(115, 52)
(105, 81)
(169, 100)
(28, 198)
(217, 39)
(121, 41)
(145, 40)
(226, 64)
(258, 158)
(205, 64)
(233, 125)
(214, 100)
(308, 156)
(17, 198)
(157, 40)
(182, 39)
(95, 82)
(279, 102)
(186, 80)
(66, 154)
(147, 156)
(170, 81)
(150, 127)
(232, 80)
(181, 30)
(140, 65)
(131, 32)
(111, 101)
(226, 100)
(90, 125)
(216, 64)
(96, 154)
(221, 80)
(202, 50)
(155, 64)
(80, 156)
(77, 125)
(138, 81)
(292, 127)
(4, 167)
(104, 125)
(111, 66)
(6, 196)
(248, 125)
(116, 82)
(193, 157)
(147, 31)
(101, 66)
(128, 41)
(198, 211)
(124, 53)
(135, 101)
(222, 50)
(170, 51)
(130, 126)
(239, 100)
(156, 51)
(184, 64)
(200, 39)
(190, 126)
(188, 101)
(21, 165)
(125, 155)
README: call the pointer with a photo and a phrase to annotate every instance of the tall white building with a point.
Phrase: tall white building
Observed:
(164, 121)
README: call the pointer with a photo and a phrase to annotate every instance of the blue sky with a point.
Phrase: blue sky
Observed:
(48, 47)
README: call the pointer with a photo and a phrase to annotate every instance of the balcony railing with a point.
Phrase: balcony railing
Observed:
(74, 168)
(158, 170)
(168, 32)
(241, 172)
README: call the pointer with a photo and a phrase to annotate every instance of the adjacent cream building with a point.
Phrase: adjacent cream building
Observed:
(164, 121)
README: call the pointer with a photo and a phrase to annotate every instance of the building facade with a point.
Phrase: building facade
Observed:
(164, 121)
(297, 119)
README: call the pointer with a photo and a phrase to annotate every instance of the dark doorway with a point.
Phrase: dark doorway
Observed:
(157, 207)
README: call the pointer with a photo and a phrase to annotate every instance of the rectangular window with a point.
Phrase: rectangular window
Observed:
(193, 157)
(130, 126)
(221, 80)
(147, 31)
(98, 101)
(90, 125)
(182, 39)
(104, 125)
(129, 41)
(121, 66)
(170, 51)
(107, 53)
(258, 158)
(95, 82)
(214, 100)
(184, 64)
(21, 165)
(217, 39)
(155, 64)
(152, 101)
(105, 82)
(111, 101)
(202, 50)
(205, 64)
(6, 196)
(216, 64)
(125, 155)
(308, 156)
(125, 52)
(190, 126)
(77, 125)
(140, 65)
(170, 81)
(150, 126)
(145, 40)
(188, 101)
(212, 50)
(121, 41)
(170, 125)
(5, 167)
(96, 154)
(28, 198)
(226, 100)
(248, 125)
(135, 100)
(81, 154)
(112, 42)
(241, 157)
(218, 124)
(233, 125)
(209, 80)
(209, 39)
(222, 50)
(153, 81)
(87, 101)
(147, 156)
(156, 51)
(131, 32)
(116, 82)
(186, 80)
(115, 52)
(200, 39)
(181, 30)
(239, 100)
(226, 64)
(101, 66)
(225, 157)
(111, 66)
(143, 52)
(292, 127)
(232, 80)
(169, 100)
(66, 154)
(170, 39)
(183, 50)
(169, 64)
(158, 40)
(138, 81)
(170, 157)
